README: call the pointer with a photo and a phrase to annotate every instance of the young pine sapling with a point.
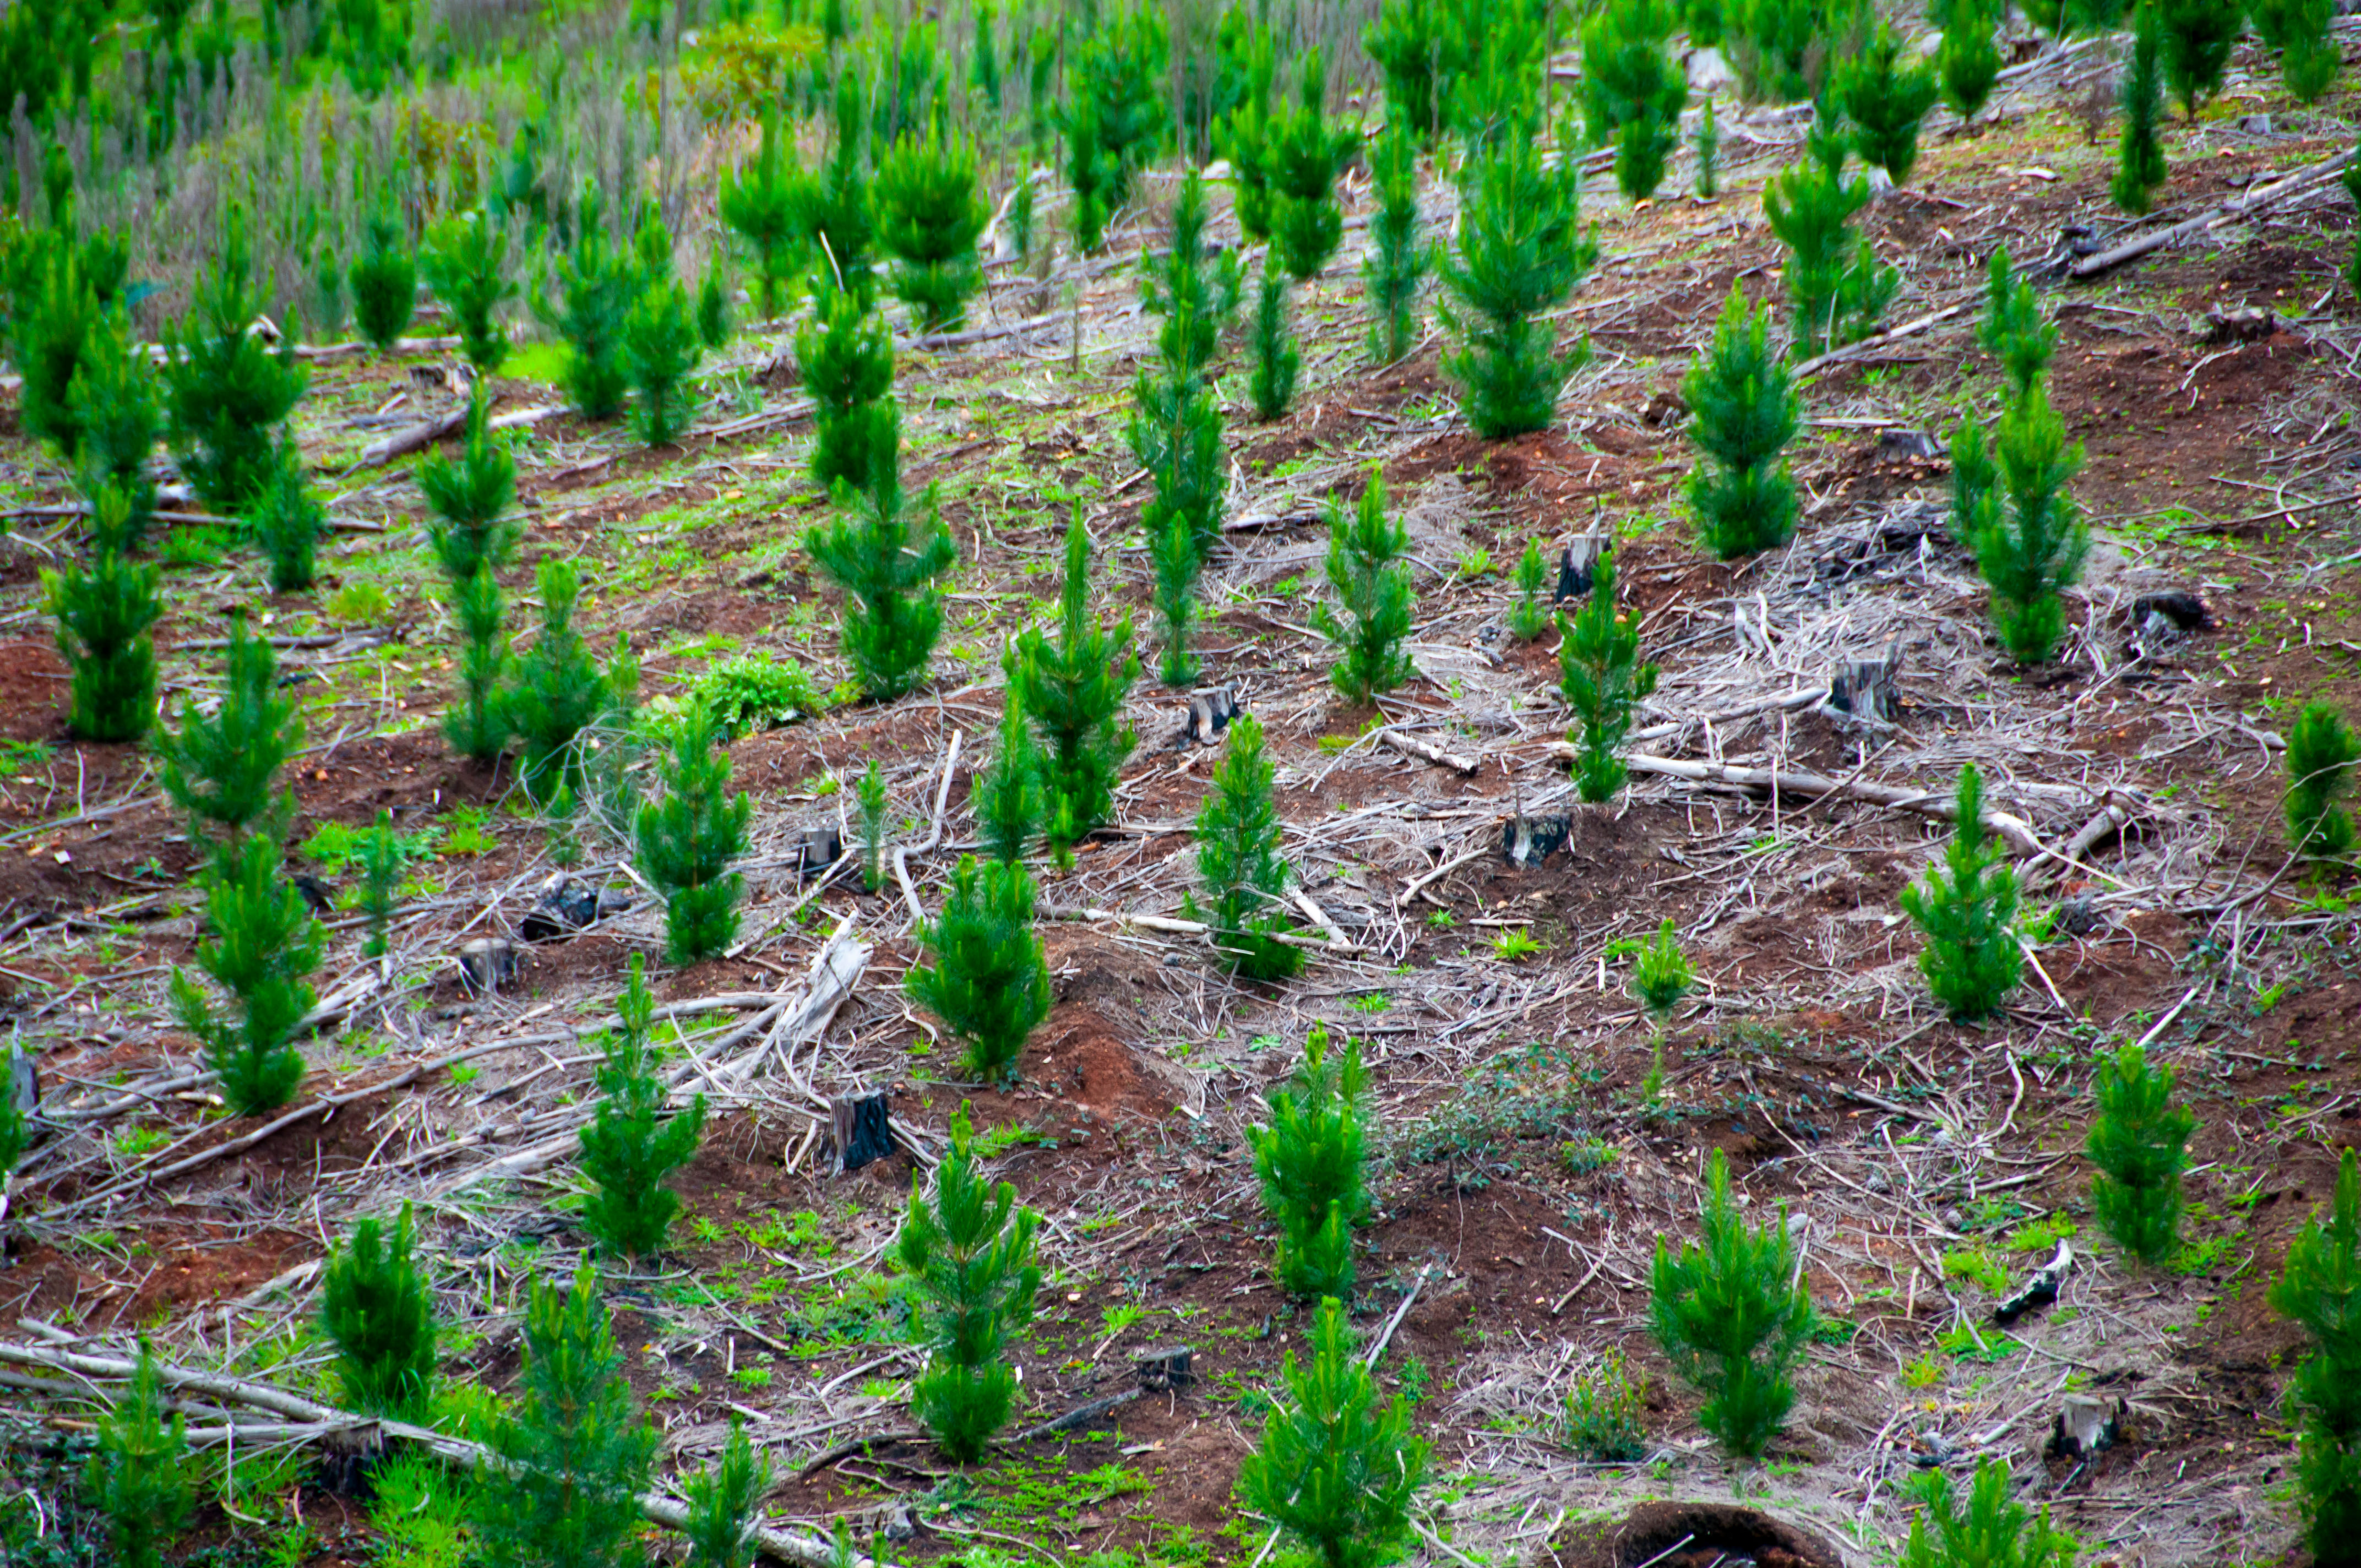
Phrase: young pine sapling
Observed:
(1967, 60)
(1885, 102)
(2139, 1141)
(224, 771)
(1369, 572)
(1398, 256)
(660, 349)
(725, 1504)
(2197, 36)
(1744, 411)
(2027, 533)
(1277, 360)
(1993, 1531)
(887, 565)
(1302, 156)
(631, 1144)
(376, 1309)
(1073, 690)
(263, 943)
(599, 281)
(2320, 753)
(117, 407)
(1634, 89)
(1601, 676)
(930, 212)
(756, 207)
(288, 521)
(687, 837)
(136, 1477)
(847, 357)
(1837, 287)
(559, 690)
(384, 280)
(2140, 165)
(2320, 1290)
(2014, 330)
(1009, 806)
(1968, 914)
(1528, 612)
(382, 859)
(1238, 837)
(870, 795)
(225, 392)
(104, 609)
(987, 980)
(1731, 1315)
(1310, 1161)
(1522, 251)
(466, 263)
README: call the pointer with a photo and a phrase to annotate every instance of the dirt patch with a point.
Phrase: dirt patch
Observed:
(1689, 1535)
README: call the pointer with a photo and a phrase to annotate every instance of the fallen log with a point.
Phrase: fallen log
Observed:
(1427, 752)
(426, 431)
(2250, 203)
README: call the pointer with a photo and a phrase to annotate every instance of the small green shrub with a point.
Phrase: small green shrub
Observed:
(1733, 1316)
(1238, 836)
(1368, 572)
(1601, 676)
(1967, 59)
(988, 981)
(224, 391)
(2320, 753)
(1602, 1413)
(757, 207)
(2139, 1141)
(631, 1145)
(136, 1477)
(1528, 612)
(2318, 1291)
(967, 1262)
(660, 349)
(376, 1308)
(288, 521)
(1634, 89)
(725, 1504)
(1660, 973)
(1993, 1531)
(263, 943)
(1336, 1471)
(1837, 287)
(1973, 959)
(1744, 409)
(687, 837)
(384, 281)
(1311, 1162)
(103, 610)
(749, 693)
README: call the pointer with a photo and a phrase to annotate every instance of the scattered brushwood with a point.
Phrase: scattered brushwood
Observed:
(1967, 912)
(1732, 1315)
(1744, 411)
(1603, 681)
(377, 1309)
(1522, 251)
(930, 213)
(631, 1144)
(1368, 572)
(1634, 89)
(104, 608)
(465, 262)
(1310, 1161)
(264, 942)
(225, 393)
(687, 837)
(1238, 834)
(1399, 255)
(2318, 1291)
(988, 981)
(384, 281)
(967, 1264)
(2139, 1141)
(1072, 690)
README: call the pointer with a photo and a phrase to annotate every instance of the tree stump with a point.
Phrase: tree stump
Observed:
(1865, 688)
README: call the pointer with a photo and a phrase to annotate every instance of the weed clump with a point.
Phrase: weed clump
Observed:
(988, 981)
(631, 1145)
(2139, 1141)
(1238, 835)
(376, 1308)
(1603, 681)
(1744, 409)
(1602, 1413)
(968, 1262)
(1971, 960)
(688, 838)
(1731, 1316)
(1310, 1161)
(1368, 572)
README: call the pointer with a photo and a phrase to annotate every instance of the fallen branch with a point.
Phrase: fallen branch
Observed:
(425, 433)
(810, 1551)
(2251, 202)
(1426, 751)
(1819, 362)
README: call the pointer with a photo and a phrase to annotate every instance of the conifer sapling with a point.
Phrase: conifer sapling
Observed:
(2139, 1141)
(887, 565)
(1600, 673)
(1885, 102)
(225, 393)
(1009, 808)
(1708, 151)
(847, 358)
(599, 282)
(1967, 59)
(930, 212)
(1731, 1315)
(871, 794)
(713, 313)
(2014, 330)
(988, 981)
(660, 349)
(1744, 411)
(376, 1308)
(1302, 158)
(1368, 572)
(2140, 166)
(382, 859)
(384, 280)
(1837, 286)
(631, 1145)
(1074, 691)
(263, 943)
(288, 521)
(1634, 91)
(2320, 1290)
(115, 402)
(1966, 910)
(687, 837)
(137, 1477)
(1398, 259)
(103, 610)
(2197, 38)
(1336, 1471)
(2320, 753)
(466, 263)
(1992, 1531)
(725, 1504)
(578, 1453)
(1311, 1162)
(559, 690)
(224, 771)
(1238, 839)
(1277, 360)
(2027, 533)
(1529, 613)
(966, 1260)
(756, 207)
(1522, 251)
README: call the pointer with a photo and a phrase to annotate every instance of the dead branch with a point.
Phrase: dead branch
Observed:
(1427, 752)
(425, 433)
(2246, 204)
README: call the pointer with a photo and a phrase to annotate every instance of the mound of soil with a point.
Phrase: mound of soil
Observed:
(1689, 1535)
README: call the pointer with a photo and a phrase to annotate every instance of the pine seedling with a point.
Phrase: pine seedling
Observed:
(660, 349)
(1731, 1315)
(1398, 259)
(1191, 291)
(757, 207)
(1421, 47)
(1239, 837)
(578, 1453)
(1302, 157)
(384, 281)
(264, 942)
(466, 263)
(288, 521)
(848, 367)
(115, 403)
(2299, 29)
(477, 725)
(1173, 553)
(1312, 1161)
(1528, 612)
(930, 212)
(1009, 807)
(2139, 1141)
(886, 567)
(2027, 533)
(1744, 411)
(1602, 1413)
(376, 1308)
(1074, 691)
(1603, 681)
(1708, 151)
(2320, 1291)
(2321, 753)
(1838, 288)
(1971, 960)
(559, 690)
(1243, 134)
(1337, 1472)
(830, 207)
(1885, 102)
(631, 1145)
(2197, 38)
(224, 771)
(1632, 90)
(104, 608)
(471, 498)
(2140, 166)
(1277, 360)
(869, 796)
(967, 1264)
(1660, 973)
(713, 312)
(988, 982)
(2014, 330)
(383, 860)
(1369, 572)
(52, 318)
(1992, 1531)
(225, 393)
(687, 837)
(599, 282)
(16, 1128)
(725, 1504)
(136, 1477)
(1116, 115)
(1967, 60)
(1522, 251)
